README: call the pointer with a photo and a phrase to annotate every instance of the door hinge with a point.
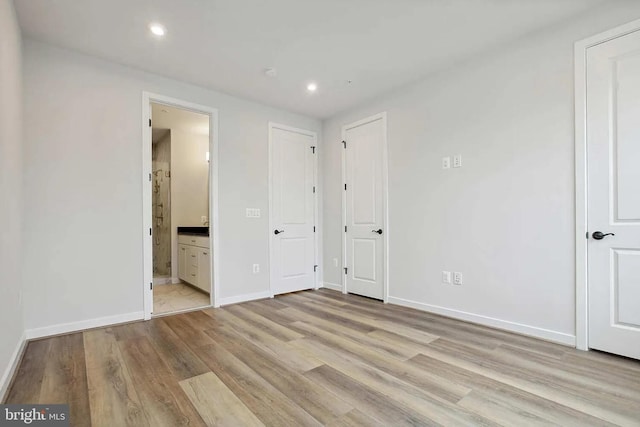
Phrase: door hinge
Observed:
(313, 149)
(149, 231)
(314, 228)
(314, 189)
(149, 176)
(315, 268)
(151, 285)
(345, 228)
(345, 187)
(149, 122)
(587, 236)
(345, 144)
(345, 270)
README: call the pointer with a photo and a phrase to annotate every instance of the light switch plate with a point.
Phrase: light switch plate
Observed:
(446, 277)
(256, 268)
(457, 161)
(446, 162)
(253, 213)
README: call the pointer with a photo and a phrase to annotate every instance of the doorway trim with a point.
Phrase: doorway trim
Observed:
(385, 197)
(316, 205)
(581, 169)
(147, 251)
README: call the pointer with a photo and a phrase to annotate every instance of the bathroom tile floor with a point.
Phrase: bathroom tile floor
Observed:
(176, 297)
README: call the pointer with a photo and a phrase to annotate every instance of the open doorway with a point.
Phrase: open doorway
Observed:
(179, 261)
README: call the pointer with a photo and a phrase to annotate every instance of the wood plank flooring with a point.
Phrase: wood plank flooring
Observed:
(322, 358)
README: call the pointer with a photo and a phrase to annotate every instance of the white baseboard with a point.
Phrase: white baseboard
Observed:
(65, 328)
(244, 298)
(546, 334)
(330, 285)
(8, 373)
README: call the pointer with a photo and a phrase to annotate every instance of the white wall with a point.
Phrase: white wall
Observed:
(83, 188)
(506, 218)
(189, 184)
(11, 311)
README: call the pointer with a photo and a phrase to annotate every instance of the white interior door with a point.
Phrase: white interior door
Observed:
(147, 194)
(293, 250)
(365, 207)
(613, 159)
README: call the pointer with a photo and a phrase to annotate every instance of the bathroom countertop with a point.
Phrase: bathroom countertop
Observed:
(194, 231)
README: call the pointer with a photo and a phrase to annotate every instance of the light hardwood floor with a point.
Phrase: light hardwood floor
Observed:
(323, 358)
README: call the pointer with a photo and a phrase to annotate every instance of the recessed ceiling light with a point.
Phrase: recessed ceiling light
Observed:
(312, 87)
(270, 72)
(157, 29)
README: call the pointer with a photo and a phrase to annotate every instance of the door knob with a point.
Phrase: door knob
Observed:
(276, 232)
(599, 235)
(379, 231)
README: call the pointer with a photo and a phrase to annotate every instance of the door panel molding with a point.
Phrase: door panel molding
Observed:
(385, 197)
(580, 104)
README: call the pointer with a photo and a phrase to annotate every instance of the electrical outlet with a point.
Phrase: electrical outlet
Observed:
(335, 262)
(446, 277)
(446, 162)
(457, 278)
(457, 161)
(203, 219)
(256, 268)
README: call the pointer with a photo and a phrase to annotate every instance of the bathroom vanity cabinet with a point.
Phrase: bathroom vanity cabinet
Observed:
(194, 260)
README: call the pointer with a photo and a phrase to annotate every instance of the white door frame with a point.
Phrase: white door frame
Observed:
(582, 280)
(147, 201)
(385, 196)
(316, 205)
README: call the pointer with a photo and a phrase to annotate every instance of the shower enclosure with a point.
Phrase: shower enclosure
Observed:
(161, 179)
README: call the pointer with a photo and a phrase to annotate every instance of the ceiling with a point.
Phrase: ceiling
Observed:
(165, 117)
(225, 45)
